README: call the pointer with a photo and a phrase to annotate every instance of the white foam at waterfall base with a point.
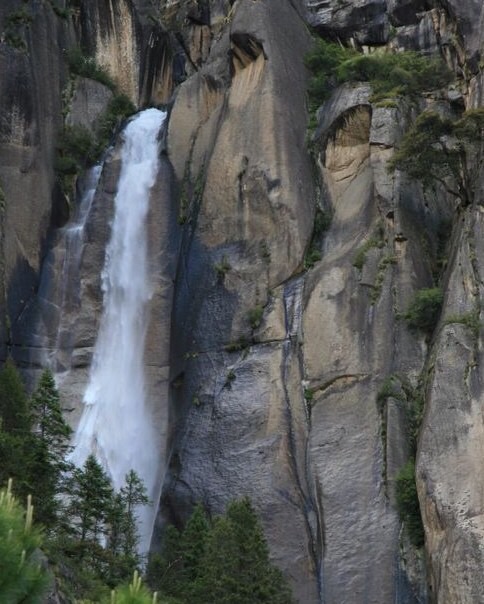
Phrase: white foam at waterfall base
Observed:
(116, 424)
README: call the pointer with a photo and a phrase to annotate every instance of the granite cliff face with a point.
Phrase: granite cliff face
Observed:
(266, 371)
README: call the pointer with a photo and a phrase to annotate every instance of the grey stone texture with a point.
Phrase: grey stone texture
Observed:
(264, 377)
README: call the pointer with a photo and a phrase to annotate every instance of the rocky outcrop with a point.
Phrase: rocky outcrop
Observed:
(33, 73)
(365, 21)
(237, 145)
(265, 364)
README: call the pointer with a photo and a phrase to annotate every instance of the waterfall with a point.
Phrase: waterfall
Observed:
(116, 424)
(72, 241)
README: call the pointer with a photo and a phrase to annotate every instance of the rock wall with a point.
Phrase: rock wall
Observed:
(266, 369)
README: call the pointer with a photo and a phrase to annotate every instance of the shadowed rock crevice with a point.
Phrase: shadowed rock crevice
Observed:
(244, 49)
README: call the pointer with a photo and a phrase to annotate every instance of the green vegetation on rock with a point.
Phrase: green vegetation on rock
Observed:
(255, 316)
(78, 148)
(411, 400)
(408, 505)
(82, 65)
(424, 310)
(375, 241)
(390, 75)
(322, 222)
(439, 150)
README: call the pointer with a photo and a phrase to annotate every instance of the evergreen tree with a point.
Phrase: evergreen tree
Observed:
(134, 593)
(193, 544)
(133, 494)
(123, 539)
(21, 577)
(14, 408)
(219, 580)
(90, 502)
(48, 421)
(223, 562)
(16, 440)
(165, 571)
(49, 449)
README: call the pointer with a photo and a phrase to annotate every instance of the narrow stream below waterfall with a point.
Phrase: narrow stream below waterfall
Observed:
(116, 424)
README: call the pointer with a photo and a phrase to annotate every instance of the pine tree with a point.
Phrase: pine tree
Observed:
(49, 423)
(218, 582)
(134, 593)
(165, 570)
(193, 544)
(16, 440)
(14, 408)
(223, 562)
(133, 494)
(49, 449)
(90, 502)
(21, 577)
(123, 539)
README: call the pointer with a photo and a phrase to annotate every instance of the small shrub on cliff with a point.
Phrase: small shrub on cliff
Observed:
(437, 149)
(424, 311)
(78, 148)
(255, 316)
(408, 505)
(323, 61)
(82, 65)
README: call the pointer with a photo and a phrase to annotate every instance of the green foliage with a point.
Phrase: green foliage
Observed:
(91, 532)
(97, 545)
(255, 316)
(18, 17)
(424, 311)
(375, 241)
(390, 388)
(383, 264)
(134, 593)
(469, 319)
(63, 13)
(408, 504)
(395, 74)
(222, 267)
(223, 561)
(322, 221)
(81, 65)
(308, 395)
(237, 345)
(119, 108)
(18, 446)
(78, 148)
(389, 74)
(90, 495)
(49, 423)
(14, 408)
(439, 150)
(312, 256)
(229, 379)
(323, 61)
(22, 579)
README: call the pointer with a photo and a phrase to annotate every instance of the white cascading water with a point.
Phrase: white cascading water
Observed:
(116, 424)
(73, 239)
